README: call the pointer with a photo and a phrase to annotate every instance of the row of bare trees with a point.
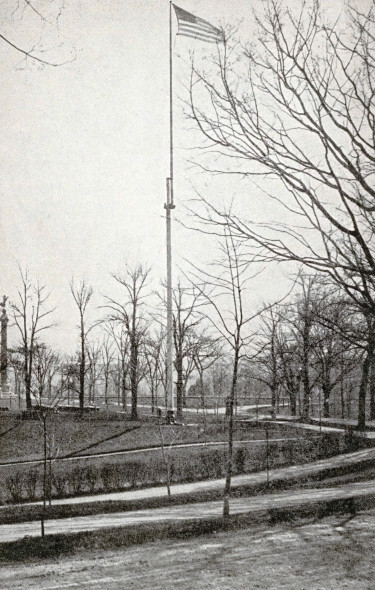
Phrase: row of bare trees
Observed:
(302, 349)
(312, 347)
(122, 348)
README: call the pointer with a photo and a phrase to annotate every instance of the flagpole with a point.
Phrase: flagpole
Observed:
(170, 100)
(168, 206)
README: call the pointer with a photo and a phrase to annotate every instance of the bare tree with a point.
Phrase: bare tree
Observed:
(220, 379)
(291, 370)
(299, 316)
(185, 320)
(120, 338)
(94, 368)
(369, 353)
(107, 358)
(43, 18)
(296, 107)
(130, 315)
(82, 295)
(223, 287)
(266, 367)
(155, 362)
(69, 378)
(372, 371)
(310, 345)
(339, 336)
(16, 363)
(46, 365)
(31, 316)
(205, 353)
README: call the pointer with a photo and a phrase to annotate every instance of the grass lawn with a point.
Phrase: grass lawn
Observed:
(23, 439)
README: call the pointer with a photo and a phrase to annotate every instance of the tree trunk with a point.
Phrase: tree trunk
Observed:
(367, 363)
(342, 399)
(229, 465)
(106, 389)
(372, 386)
(134, 380)
(362, 393)
(82, 370)
(28, 366)
(153, 405)
(293, 402)
(123, 385)
(326, 389)
(306, 392)
(203, 402)
(305, 370)
(273, 400)
(28, 392)
(179, 388)
(274, 387)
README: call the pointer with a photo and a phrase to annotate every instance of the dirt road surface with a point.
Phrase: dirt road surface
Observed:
(281, 473)
(334, 554)
(292, 498)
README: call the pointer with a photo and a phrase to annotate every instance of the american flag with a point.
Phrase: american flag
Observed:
(193, 26)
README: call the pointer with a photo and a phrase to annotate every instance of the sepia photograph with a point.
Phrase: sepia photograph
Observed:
(187, 295)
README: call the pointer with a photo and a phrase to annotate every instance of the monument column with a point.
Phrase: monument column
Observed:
(4, 349)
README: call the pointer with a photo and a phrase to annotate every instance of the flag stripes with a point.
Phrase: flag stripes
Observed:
(197, 28)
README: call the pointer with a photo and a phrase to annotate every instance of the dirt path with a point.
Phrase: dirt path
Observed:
(204, 510)
(335, 554)
(281, 473)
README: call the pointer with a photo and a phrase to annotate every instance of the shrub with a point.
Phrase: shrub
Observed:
(255, 458)
(133, 473)
(351, 443)
(329, 445)
(184, 469)
(192, 468)
(111, 477)
(288, 452)
(90, 477)
(155, 470)
(60, 483)
(75, 480)
(14, 485)
(31, 482)
(211, 464)
(240, 460)
(274, 455)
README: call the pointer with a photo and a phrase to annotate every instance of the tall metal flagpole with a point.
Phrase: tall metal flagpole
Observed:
(168, 206)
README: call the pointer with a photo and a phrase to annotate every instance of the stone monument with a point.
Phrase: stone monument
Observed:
(4, 350)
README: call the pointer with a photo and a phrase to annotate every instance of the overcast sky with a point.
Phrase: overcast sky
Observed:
(84, 147)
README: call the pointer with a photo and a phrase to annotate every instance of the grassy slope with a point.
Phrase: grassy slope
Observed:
(24, 439)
